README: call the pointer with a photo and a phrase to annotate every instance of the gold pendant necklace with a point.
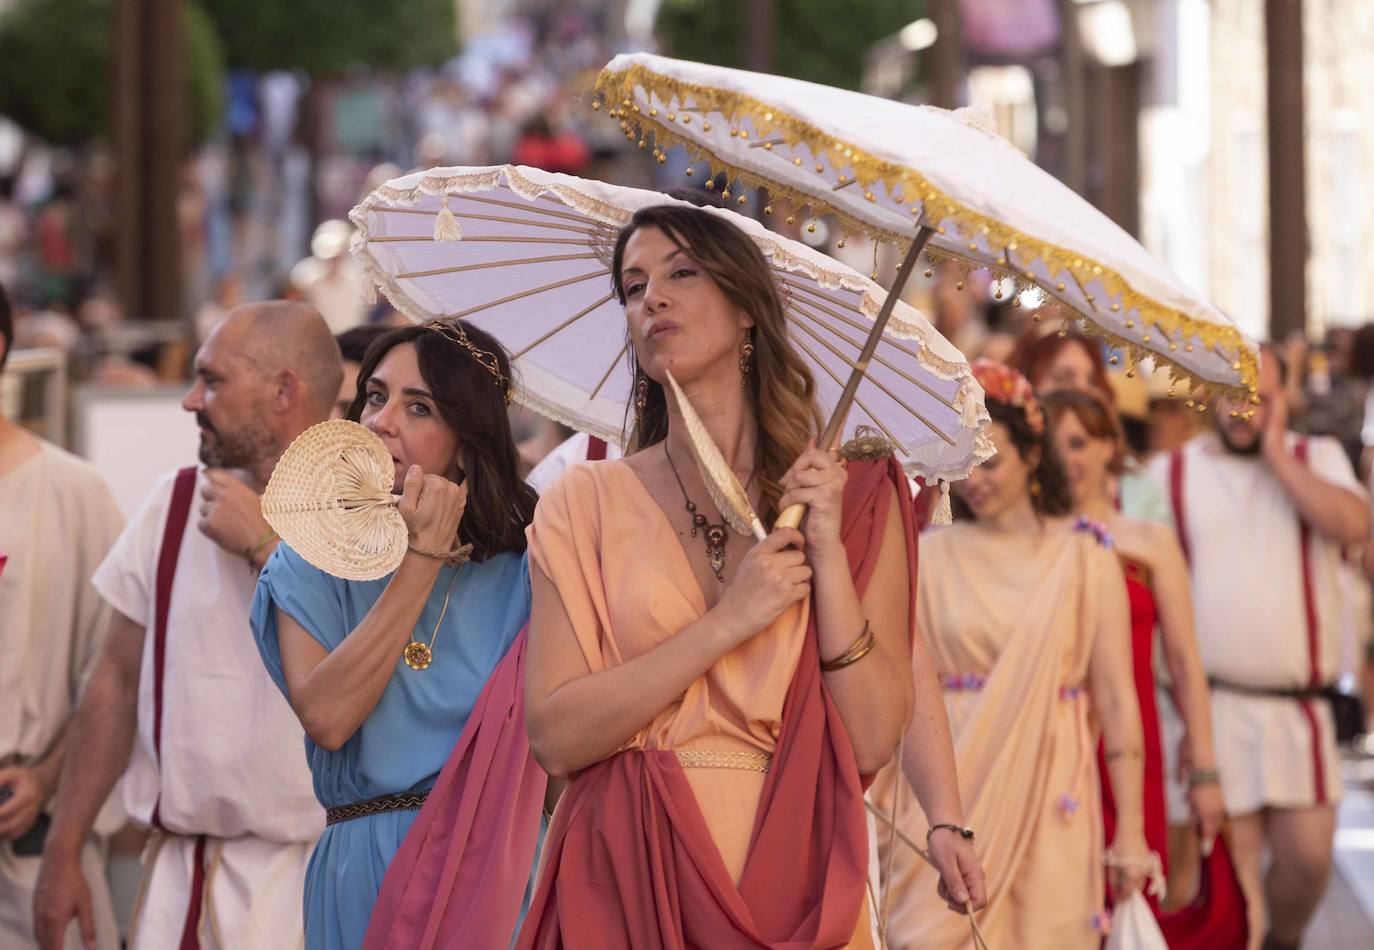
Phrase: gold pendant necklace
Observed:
(418, 655)
(716, 535)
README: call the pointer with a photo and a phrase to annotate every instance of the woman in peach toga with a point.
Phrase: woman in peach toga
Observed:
(1024, 612)
(714, 701)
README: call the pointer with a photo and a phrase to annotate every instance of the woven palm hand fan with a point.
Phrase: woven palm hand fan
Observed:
(330, 498)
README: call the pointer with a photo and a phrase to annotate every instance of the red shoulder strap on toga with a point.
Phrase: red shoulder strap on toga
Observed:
(183, 493)
(596, 449)
(1176, 501)
(1309, 602)
(1309, 593)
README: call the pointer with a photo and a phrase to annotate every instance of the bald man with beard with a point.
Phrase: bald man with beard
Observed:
(179, 702)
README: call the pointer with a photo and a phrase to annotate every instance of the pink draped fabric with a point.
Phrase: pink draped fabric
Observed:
(630, 861)
(461, 873)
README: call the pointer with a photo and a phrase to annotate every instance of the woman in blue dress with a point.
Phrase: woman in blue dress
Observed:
(384, 674)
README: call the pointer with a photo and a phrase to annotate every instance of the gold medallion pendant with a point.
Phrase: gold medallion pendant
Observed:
(417, 655)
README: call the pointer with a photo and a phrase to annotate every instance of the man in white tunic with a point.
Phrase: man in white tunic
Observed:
(57, 521)
(579, 447)
(1262, 514)
(215, 756)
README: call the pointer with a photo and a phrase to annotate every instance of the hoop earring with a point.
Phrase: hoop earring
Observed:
(746, 358)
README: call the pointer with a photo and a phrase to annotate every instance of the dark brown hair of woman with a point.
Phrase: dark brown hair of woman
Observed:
(781, 387)
(500, 505)
(1035, 350)
(1054, 497)
(1094, 415)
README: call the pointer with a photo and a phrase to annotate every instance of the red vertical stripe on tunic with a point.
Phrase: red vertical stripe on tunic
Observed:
(1309, 600)
(1176, 498)
(190, 930)
(183, 492)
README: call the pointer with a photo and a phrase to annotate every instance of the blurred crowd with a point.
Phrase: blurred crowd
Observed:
(262, 208)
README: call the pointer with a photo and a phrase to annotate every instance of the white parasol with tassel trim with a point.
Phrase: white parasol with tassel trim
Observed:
(943, 181)
(525, 255)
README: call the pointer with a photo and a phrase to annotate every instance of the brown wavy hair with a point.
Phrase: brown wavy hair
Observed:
(781, 387)
(500, 504)
(1035, 350)
(1094, 416)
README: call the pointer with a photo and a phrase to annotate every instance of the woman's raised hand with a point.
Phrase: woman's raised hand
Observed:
(771, 577)
(817, 480)
(432, 506)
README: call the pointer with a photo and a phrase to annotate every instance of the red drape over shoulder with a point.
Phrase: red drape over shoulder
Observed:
(630, 861)
(462, 871)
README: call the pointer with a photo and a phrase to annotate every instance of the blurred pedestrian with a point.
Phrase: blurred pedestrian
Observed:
(578, 447)
(1262, 514)
(57, 521)
(1069, 359)
(353, 346)
(1025, 613)
(1091, 445)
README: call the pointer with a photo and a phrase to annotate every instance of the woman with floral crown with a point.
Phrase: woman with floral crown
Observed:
(1024, 613)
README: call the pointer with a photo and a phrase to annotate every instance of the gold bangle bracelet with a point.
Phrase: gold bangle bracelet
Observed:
(856, 652)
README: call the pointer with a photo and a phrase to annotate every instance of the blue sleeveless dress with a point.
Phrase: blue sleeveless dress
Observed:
(407, 738)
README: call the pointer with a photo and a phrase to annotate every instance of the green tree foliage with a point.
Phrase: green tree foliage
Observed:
(821, 41)
(56, 74)
(327, 37)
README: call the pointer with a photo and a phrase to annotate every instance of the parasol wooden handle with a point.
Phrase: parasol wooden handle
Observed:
(792, 516)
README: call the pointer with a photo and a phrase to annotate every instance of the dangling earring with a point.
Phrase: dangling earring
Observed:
(746, 358)
(641, 398)
(1035, 486)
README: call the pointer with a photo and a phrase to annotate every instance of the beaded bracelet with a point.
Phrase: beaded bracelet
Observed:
(1198, 777)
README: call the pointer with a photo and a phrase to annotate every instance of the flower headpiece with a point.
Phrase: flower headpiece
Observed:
(452, 330)
(1003, 384)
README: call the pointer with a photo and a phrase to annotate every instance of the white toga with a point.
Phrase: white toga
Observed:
(232, 765)
(57, 520)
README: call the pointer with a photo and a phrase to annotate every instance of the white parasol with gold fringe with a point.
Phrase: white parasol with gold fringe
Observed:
(910, 174)
(525, 255)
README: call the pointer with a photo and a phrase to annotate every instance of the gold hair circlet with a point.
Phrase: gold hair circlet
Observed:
(455, 334)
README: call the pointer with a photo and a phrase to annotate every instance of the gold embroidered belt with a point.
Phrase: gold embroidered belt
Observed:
(400, 801)
(705, 759)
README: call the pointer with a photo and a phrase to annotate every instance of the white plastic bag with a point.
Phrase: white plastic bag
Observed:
(1134, 926)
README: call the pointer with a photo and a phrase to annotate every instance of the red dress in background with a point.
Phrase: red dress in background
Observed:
(1143, 617)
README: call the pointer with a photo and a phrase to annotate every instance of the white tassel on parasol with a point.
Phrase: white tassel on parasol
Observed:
(330, 499)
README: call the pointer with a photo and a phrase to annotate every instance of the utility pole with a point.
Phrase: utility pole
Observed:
(1075, 164)
(763, 35)
(149, 108)
(946, 59)
(1288, 243)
